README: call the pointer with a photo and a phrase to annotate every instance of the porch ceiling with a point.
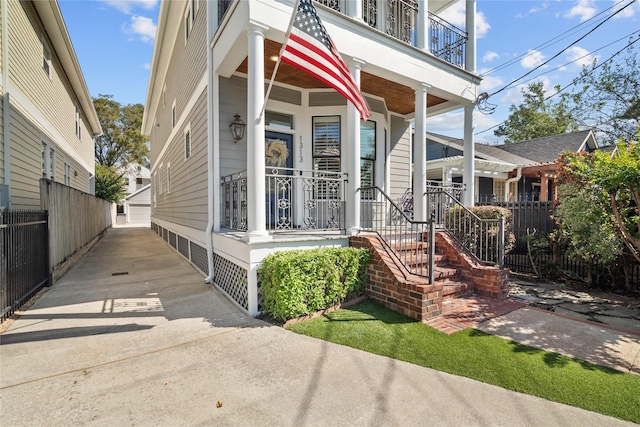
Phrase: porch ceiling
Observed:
(399, 98)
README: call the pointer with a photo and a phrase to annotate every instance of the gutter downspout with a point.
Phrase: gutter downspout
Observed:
(212, 15)
(510, 180)
(6, 134)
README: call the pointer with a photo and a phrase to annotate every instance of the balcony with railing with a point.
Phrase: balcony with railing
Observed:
(399, 18)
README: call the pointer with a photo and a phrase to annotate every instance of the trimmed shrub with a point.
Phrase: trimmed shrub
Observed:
(296, 283)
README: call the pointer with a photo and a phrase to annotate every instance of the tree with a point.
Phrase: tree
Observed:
(109, 183)
(610, 184)
(121, 142)
(609, 101)
(537, 117)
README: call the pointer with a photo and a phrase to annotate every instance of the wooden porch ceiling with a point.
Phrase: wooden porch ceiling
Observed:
(399, 98)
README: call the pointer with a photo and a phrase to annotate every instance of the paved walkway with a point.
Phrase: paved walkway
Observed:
(132, 336)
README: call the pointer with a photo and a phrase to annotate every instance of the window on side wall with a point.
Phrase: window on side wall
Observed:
(173, 114)
(46, 57)
(168, 178)
(78, 123)
(187, 143)
(367, 153)
(52, 164)
(188, 24)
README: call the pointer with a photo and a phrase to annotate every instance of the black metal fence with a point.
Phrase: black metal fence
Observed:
(24, 257)
(530, 216)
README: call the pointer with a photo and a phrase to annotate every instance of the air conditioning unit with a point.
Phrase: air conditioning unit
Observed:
(4, 196)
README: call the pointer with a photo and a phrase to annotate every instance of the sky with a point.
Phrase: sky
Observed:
(114, 39)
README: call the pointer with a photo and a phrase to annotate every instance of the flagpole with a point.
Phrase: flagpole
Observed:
(275, 68)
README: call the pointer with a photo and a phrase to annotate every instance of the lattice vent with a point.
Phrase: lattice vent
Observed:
(232, 279)
(172, 239)
(183, 246)
(199, 257)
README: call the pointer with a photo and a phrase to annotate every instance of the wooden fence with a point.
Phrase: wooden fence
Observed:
(75, 219)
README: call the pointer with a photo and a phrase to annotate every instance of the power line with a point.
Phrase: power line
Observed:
(563, 50)
(574, 82)
(550, 42)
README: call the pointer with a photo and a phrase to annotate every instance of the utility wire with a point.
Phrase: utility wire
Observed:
(563, 50)
(551, 42)
(574, 82)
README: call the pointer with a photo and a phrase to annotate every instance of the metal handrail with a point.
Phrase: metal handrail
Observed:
(484, 238)
(411, 242)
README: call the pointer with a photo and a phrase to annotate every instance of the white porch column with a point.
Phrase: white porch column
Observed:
(256, 212)
(352, 148)
(470, 48)
(468, 165)
(420, 155)
(422, 27)
(354, 9)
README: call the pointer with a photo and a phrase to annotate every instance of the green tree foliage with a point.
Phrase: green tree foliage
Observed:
(537, 117)
(109, 183)
(121, 142)
(609, 100)
(610, 189)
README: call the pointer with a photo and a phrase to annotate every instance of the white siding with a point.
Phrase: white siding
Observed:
(400, 157)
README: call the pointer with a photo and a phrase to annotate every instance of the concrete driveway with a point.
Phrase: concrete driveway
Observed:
(132, 336)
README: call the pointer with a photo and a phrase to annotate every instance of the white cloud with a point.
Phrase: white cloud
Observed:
(127, 6)
(147, 66)
(490, 56)
(456, 16)
(584, 9)
(514, 95)
(580, 55)
(629, 12)
(142, 27)
(489, 83)
(533, 59)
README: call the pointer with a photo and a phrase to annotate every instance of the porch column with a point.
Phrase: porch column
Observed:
(468, 165)
(420, 154)
(256, 212)
(352, 148)
(470, 48)
(544, 187)
(354, 9)
(422, 27)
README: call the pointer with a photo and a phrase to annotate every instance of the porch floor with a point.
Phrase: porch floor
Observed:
(467, 312)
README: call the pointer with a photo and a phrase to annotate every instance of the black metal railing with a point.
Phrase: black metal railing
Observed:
(484, 238)
(446, 41)
(411, 242)
(24, 257)
(441, 197)
(295, 200)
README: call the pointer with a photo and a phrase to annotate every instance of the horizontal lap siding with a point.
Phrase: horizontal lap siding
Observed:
(186, 204)
(187, 66)
(400, 157)
(53, 97)
(26, 161)
(233, 99)
(1, 133)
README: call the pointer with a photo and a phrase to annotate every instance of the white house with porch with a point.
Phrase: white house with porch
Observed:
(231, 185)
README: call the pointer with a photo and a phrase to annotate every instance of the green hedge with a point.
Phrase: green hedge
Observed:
(296, 283)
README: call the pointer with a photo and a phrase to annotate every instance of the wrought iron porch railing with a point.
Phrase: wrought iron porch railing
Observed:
(446, 41)
(438, 202)
(485, 238)
(411, 242)
(295, 200)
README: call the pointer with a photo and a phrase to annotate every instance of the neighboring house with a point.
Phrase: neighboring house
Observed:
(135, 207)
(47, 114)
(292, 180)
(523, 170)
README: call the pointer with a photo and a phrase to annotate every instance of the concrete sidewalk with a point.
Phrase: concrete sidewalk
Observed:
(132, 335)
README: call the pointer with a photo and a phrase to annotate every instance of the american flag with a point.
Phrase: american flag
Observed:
(309, 48)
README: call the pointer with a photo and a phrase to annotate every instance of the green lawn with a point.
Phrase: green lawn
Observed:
(371, 327)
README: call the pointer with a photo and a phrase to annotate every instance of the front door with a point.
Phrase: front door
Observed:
(279, 185)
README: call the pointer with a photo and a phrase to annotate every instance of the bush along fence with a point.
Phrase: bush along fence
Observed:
(301, 282)
(24, 257)
(534, 252)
